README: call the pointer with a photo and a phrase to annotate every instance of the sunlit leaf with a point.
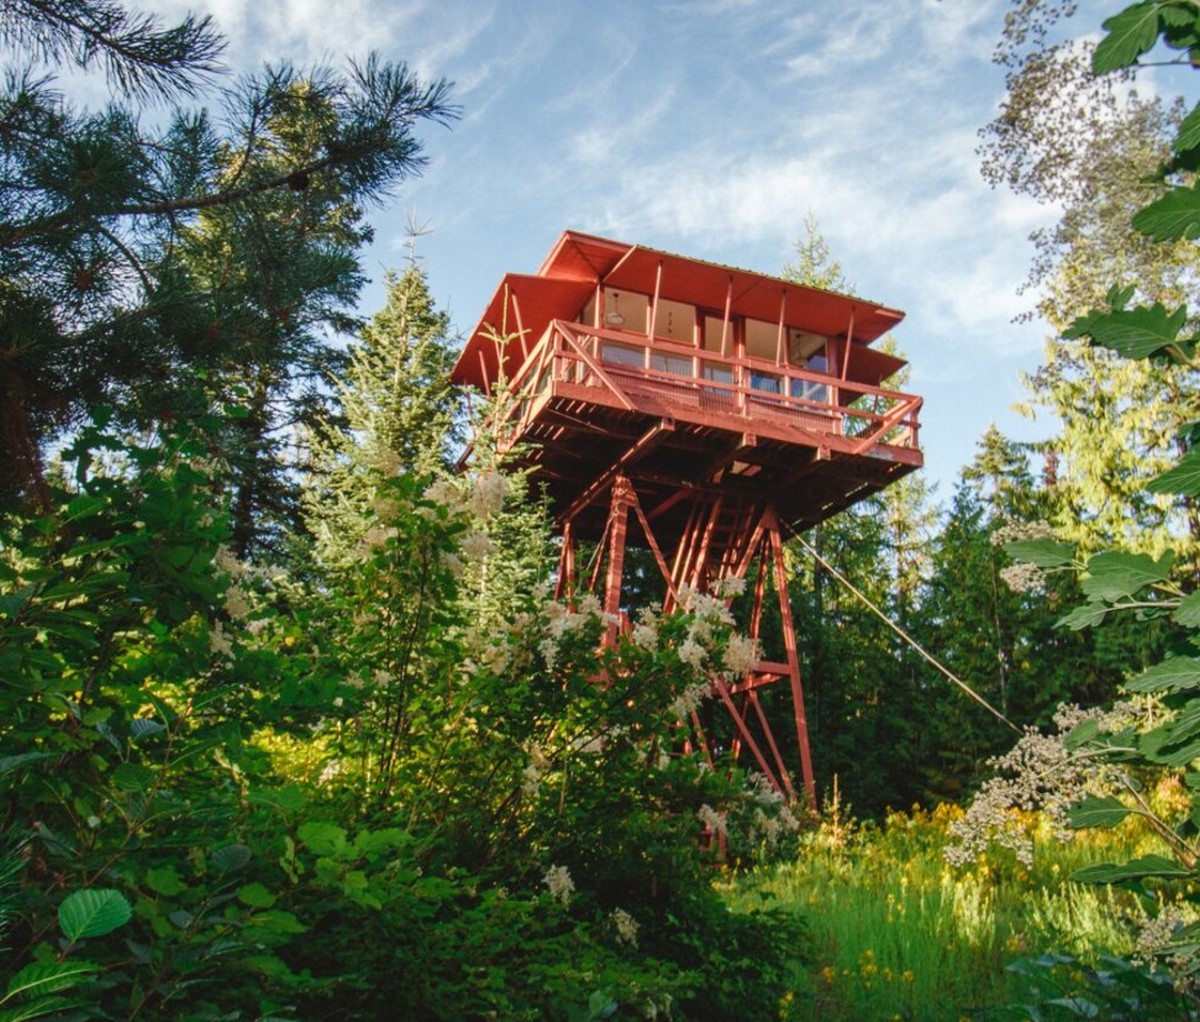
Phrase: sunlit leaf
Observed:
(1188, 136)
(165, 880)
(43, 978)
(92, 913)
(1184, 478)
(1188, 611)
(1136, 869)
(322, 838)
(1086, 616)
(1176, 215)
(1135, 333)
(1043, 553)
(1131, 33)
(1113, 575)
(1173, 675)
(1097, 812)
(256, 895)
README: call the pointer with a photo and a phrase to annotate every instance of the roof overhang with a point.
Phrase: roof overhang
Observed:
(524, 304)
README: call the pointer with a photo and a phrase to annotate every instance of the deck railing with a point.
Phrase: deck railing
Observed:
(632, 366)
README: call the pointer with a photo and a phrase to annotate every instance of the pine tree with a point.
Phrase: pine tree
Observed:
(133, 258)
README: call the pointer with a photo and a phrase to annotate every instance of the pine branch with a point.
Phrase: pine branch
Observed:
(140, 58)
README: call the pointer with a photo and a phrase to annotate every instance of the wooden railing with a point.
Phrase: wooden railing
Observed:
(631, 365)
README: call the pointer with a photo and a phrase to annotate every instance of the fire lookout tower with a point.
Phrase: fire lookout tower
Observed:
(703, 413)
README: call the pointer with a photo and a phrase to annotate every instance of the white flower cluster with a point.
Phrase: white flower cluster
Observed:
(561, 621)
(220, 643)
(477, 546)
(1040, 772)
(531, 776)
(690, 698)
(559, 883)
(741, 655)
(626, 927)
(1023, 577)
(1013, 531)
(711, 819)
(645, 632)
(1157, 941)
(481, 497)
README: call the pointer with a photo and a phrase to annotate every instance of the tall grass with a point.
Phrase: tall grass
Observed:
(899, 934)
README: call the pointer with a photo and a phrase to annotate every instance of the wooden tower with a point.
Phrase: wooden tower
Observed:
(702, 413)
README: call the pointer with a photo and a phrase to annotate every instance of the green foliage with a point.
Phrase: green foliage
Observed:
(1113, 989)
(895, 932)
(218, 245)
(1132, 745)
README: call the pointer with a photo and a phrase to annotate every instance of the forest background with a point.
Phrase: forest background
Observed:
(290, 725)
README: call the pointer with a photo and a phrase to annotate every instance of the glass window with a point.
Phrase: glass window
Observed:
(621, 354)
(625, 310)
(675, 321)
(767, 382)
(762, 339)
(714, 334)
(680, 365)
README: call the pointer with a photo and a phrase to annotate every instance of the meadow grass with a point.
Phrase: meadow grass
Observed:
(899, 934)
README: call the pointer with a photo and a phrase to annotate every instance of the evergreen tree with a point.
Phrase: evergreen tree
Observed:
(1088, 146)
(397, 415)
(133, 258)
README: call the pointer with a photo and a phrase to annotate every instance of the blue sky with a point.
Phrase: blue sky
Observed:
(711, 128)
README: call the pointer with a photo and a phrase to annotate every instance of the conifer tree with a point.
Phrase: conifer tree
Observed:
(134, 257)
(1088, 145)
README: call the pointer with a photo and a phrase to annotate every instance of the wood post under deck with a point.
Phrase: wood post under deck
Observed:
(721, 540)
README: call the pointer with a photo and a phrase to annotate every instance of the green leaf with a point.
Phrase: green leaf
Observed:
(1097, 812)
(1130, 34)
(1113, 575)
(1187, 613)
(52, 1005)
(229, 858)
(10, 763)
(1184, 478)
(1174, 675)
(1188, 136)
(256, 895)
(1086, 616)
(322, 838)
(132, 778)
(43, 978)
(165, 880)
(92, 913)
(1135, 333)
(1135, 869)
(1042, 553)
(1176, 215)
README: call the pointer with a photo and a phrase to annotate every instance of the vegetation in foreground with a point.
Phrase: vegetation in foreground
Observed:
(896, 932)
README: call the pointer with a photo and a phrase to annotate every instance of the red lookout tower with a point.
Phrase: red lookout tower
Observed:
(703, 413)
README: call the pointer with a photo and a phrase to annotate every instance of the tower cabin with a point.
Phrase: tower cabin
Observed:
(702, 412)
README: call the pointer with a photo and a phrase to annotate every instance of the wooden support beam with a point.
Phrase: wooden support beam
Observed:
(648, 441)
(793, 656)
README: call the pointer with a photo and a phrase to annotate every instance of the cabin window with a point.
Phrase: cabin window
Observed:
(718, 372)
(621, 354)
(680, 365)
(810, 352)
(626, 310)
(714, 334)
(675, 321)
(762, 339)
(768, 383)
